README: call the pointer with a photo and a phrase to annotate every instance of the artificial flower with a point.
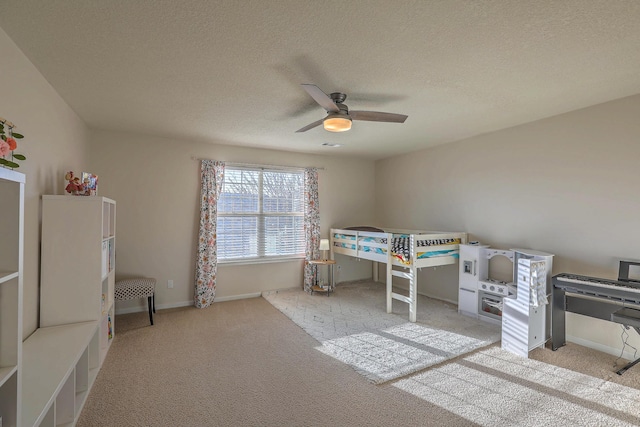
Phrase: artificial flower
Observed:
(5, 148)
(12, 143)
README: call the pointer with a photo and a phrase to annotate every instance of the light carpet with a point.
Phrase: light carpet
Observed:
(243, 363)
(493, 387)
(353, 326)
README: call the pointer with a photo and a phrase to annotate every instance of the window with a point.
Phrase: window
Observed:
(261, 214)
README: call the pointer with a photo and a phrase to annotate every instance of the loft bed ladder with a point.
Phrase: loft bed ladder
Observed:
(410, 273)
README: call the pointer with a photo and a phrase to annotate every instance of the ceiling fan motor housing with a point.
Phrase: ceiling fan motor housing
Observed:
(338, 97)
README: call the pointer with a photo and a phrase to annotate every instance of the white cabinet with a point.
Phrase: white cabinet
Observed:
(11, 262)
(524, 318)
(78, 263)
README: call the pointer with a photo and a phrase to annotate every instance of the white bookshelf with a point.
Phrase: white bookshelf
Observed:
(61, 359)
(60, 365)
(11, 265)
(78, 263)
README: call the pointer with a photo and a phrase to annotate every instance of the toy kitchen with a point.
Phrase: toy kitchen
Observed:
(507, 287)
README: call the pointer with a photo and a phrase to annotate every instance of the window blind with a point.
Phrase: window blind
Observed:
(261, 214)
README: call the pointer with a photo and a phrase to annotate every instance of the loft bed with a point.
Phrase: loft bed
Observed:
(409, 250)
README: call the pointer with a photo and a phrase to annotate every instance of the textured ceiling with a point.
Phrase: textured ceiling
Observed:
(229, 72)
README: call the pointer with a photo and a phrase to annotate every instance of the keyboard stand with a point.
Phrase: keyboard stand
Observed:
(627, 366)
(597, 298)
(628, 317)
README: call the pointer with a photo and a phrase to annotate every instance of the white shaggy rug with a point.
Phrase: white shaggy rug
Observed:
(352, 325)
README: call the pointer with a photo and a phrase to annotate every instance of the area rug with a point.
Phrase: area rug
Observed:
(352, 325)
(493, 387)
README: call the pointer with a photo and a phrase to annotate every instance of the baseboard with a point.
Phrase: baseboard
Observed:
(158, 307)
(235, 297)
(184, 303)
(423, 294)
(280, 290)
(440, 298)
(627, 354)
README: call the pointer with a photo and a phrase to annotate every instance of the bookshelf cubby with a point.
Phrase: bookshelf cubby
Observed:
(11, 265)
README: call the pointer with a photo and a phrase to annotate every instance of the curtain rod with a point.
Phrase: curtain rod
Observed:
(7, 122)
(260, 165)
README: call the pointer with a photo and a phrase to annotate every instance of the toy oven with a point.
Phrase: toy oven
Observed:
(490, 305)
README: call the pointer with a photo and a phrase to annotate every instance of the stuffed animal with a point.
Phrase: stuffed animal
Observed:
(72, 186)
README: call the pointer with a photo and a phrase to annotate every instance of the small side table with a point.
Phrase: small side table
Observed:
(330, 263)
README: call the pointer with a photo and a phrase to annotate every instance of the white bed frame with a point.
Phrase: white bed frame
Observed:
(410, 270)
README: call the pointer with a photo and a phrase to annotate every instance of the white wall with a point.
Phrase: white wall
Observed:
(55, 140)
(567, 185)
(155, 183)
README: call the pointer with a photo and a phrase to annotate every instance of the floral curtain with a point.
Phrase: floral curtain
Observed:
(311, 224)
(212, 173)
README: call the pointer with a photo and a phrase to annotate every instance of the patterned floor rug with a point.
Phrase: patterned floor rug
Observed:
(352, 325)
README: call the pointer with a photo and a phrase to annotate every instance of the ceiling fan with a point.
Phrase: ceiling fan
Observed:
(338, 115)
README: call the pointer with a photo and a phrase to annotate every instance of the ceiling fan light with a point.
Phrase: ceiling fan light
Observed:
(337, 124)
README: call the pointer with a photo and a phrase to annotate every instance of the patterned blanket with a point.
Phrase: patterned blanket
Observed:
(401, 246)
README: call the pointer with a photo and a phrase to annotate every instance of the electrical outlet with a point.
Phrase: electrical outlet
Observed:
(170, 284)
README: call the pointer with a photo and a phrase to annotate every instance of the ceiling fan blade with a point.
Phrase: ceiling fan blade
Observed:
(311, 126)
(321, 97)
(375, 116)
